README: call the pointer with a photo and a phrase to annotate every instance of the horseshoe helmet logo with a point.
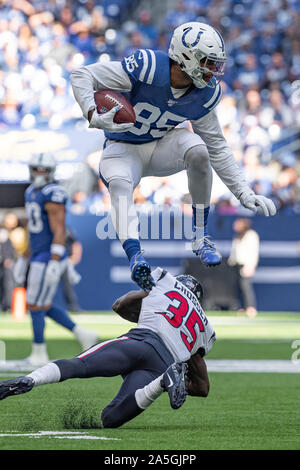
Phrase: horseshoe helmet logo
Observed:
(193, 44)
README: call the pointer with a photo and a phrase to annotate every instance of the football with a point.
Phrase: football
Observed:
(108, 99)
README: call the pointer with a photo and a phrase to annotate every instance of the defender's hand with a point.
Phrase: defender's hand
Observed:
(53, 272)
(253, 201)
(73, 275)
(20, 269)
(105, 121)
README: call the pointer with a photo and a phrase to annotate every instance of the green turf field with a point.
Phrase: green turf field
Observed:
(242, 411)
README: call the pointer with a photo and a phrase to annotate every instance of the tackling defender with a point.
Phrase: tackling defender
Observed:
(46, 258)
(171, 327)
(165, 90)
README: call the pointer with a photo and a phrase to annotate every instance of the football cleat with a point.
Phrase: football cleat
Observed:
(206, 250)
(141, 272)
(173, 382)
(15, 386)
(87, 338)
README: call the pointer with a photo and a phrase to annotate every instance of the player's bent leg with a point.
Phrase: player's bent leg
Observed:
(126, 222)
(199, 171)
(124, 406)
(121, 167)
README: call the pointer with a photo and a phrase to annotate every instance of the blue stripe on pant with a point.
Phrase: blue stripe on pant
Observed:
(135, 360)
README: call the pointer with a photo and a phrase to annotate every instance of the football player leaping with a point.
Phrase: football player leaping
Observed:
(171, 327)
(165, 90)
(46, 256)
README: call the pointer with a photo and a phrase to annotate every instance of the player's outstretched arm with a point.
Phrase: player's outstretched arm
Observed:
(197, 381)
(223, 162)
(129, 305)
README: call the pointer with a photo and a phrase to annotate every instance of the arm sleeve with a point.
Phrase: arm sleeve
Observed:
(221, 156)
(90, 78)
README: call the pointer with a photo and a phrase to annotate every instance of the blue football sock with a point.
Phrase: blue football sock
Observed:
(38, 325)
(60, 316)
(200, 219)
(131, 247)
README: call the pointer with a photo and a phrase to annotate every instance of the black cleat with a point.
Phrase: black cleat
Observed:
(141, 272)
(15, 386)
(173, 382)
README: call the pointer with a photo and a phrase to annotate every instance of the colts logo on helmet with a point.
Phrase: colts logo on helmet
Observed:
(191, 44)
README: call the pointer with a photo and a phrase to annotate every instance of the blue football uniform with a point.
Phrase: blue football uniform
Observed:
(40, 234)
(157, 110)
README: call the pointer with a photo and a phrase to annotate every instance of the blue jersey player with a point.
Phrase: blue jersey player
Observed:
(165, 90)
(46, 256)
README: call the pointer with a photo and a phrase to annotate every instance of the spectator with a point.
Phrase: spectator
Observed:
(245, 256)
(147, 28)
(7, 256)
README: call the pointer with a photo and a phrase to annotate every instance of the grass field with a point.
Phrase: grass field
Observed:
(243, 410)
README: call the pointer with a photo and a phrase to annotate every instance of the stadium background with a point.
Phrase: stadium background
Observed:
(42, 42)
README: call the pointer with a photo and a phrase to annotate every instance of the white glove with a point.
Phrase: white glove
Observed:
(253, 201)
(73, 275)
(53, 272)
(20, 269)
(105, 121)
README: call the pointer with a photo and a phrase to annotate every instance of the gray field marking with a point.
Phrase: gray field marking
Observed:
(13, 368)
(255, 365)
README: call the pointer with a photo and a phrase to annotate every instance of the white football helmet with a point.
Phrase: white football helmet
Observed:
(199, 50)
(45, 163)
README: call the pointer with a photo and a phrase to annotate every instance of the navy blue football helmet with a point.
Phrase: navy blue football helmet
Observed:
(192, 284)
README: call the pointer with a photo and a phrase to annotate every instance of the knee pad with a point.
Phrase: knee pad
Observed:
(197, 158)
(120, 187)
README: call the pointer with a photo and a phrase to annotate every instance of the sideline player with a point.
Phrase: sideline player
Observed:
(171, 327)
(165, 90)
(46, 256)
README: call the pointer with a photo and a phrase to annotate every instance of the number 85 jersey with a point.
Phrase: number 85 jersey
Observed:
(40, 234)
(173, 312)
(156, 108)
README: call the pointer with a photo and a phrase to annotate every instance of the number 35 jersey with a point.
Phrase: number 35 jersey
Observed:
(173, 312)
(157, 110)
(40, 234)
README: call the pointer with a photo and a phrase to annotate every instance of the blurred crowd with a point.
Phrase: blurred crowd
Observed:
(42, 42)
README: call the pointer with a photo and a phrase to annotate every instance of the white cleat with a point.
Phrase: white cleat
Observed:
(38, 356)
(86, 338)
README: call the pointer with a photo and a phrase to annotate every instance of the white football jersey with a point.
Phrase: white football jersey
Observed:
(174, 313)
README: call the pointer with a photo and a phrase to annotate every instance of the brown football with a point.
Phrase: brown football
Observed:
(108, 99)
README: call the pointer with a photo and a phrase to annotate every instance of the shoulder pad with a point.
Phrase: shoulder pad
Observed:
(55, 193)
(146, 66)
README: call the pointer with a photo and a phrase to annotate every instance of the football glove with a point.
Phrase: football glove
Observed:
(106, 121)
(53, 272)
(20, 269)
(253, 201)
